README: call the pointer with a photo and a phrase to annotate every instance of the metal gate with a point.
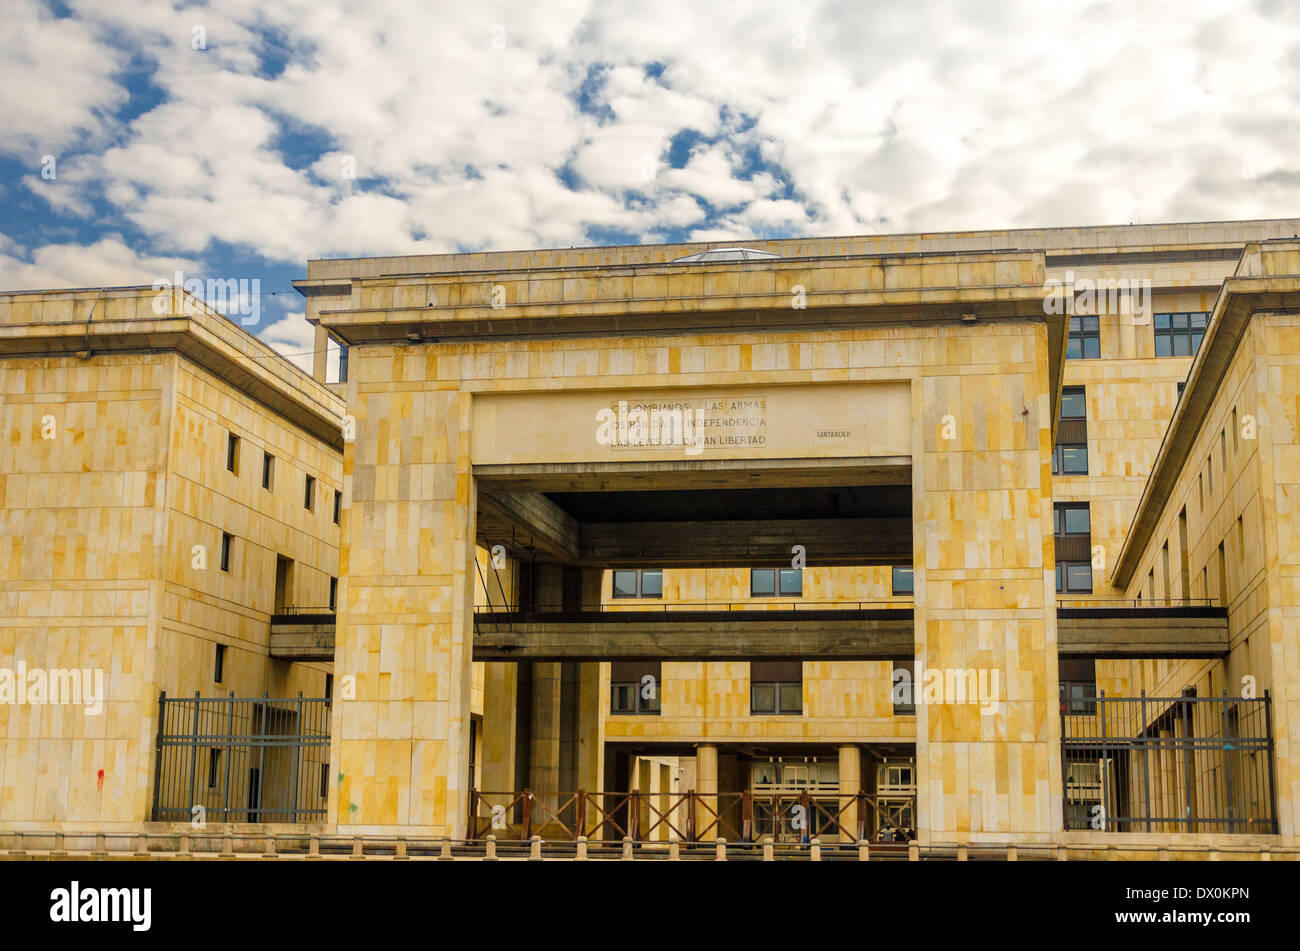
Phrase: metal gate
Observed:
(1168, 764)
(229, 759)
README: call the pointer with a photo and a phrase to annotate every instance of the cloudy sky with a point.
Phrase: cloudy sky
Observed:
(238, 138)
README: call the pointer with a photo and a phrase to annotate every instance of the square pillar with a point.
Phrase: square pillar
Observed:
(405, 628)
(985, 589)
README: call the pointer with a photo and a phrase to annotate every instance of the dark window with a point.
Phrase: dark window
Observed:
(343, 363)
(1085, 339)
(219, 665)
(1072, 528)
(214, 766)
(338, 504)
(309, 494)
(268, 469)
(1179, 335)
(1070, 459)
(634, 687)
(638, 583)
(1074, 402)
(776, 688)
(1078, 680)
(775, 582)
(324, 780)
(334, 591)
(1072, 518)
(329, 687)
(232, 453)
(226, 539)
(902, 580)
(903, 689)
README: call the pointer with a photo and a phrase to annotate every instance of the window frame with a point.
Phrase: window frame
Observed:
(778, 577)
(640, 574)
(1084, 333)
(1192, 331)
(894, 589)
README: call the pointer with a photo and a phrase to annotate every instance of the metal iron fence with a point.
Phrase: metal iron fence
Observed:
(234, 759)
(1169, 764)
(688, 816)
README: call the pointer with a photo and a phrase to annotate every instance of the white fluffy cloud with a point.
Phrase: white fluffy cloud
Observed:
(106, 263)
(463, 124)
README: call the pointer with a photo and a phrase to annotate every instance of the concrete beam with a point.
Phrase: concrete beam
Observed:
(691, 473)
(767, 543)
(1142, 633)
(303, 640)
(513, 519)
(699, 635)
(883, 634)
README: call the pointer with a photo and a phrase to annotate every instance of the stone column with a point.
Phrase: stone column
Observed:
(706, 785)
(984, 568)
(499, 722)
(850, 786)
(405, 628)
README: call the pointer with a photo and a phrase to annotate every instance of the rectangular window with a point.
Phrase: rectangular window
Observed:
(1070, 459)
(309, 494)
(776, 688)
(1078, 686)
(1070, 454)
(1072, 528)
(902, 580)
(1179, 335)
(338, 504)
(1209, 472)
(214, 766)
(324, 780)
(268, 470)
(634, 687)
(232, 453)
(902, 688)
(219, 664)
(638, 583)
(1085, 339)
(226, 539)
(775, 582)
(334, 592)
(1236, 433)
(1074, 402)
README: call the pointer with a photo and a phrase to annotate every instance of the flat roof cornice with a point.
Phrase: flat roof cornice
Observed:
(84, 322)
(1267, 278)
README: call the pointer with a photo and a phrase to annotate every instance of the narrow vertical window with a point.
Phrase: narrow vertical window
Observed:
(226, 539)
(309, 494)
(232, 453)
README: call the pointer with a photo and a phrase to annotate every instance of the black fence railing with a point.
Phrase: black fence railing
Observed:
(1169, 764)
(229, 759)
